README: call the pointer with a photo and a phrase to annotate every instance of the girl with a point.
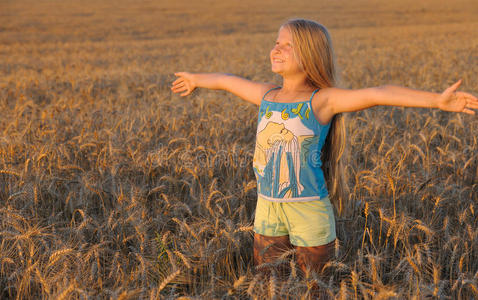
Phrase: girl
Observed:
(301, 137)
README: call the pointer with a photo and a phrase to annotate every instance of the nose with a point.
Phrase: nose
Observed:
(276, 49)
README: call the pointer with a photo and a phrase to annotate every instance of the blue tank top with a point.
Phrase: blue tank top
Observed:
(287, 161)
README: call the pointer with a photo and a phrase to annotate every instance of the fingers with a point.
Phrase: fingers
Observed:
(471, 104)
(455, 86)
(182, 84)
(177, 84)
(470, 100)
(451, 89)
(181, 87)
(469, 97)
(177, 81)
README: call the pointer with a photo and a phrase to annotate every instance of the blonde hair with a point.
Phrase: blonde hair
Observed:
(314, 53)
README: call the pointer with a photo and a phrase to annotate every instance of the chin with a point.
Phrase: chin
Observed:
(276, 70)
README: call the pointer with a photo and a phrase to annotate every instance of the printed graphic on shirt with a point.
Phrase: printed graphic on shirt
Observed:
(283, 146)
(298, 111)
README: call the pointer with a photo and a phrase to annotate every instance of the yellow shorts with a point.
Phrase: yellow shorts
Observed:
(308, 224)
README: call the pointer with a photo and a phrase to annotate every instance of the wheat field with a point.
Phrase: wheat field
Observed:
(111, 187)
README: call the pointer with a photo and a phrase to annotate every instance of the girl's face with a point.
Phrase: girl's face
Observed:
(282, 56)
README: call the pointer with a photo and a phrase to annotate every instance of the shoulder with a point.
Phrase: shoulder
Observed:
(336, 100)
(322, 104)
(249, 90)
(330, 93)
(334, 94)
(268, 88)
(325, 95)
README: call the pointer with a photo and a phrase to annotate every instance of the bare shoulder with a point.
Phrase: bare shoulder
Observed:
(264, 88)
(333, 93)
(322, 105)
(267, 87)
(337, 100)
(251, 91)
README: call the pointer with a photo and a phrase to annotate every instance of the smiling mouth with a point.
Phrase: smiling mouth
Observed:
(277, 60)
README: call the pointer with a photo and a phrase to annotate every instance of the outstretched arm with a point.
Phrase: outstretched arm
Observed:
(342, 100)
(246, 89)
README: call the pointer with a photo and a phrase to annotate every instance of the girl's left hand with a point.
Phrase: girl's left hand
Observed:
(184, 83)
(451, 100)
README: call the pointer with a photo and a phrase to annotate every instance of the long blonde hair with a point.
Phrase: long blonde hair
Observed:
(314, 53)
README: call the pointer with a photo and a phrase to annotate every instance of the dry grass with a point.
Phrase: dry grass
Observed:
(111, 187)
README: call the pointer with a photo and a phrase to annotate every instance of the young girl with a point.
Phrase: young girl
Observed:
(301, 137)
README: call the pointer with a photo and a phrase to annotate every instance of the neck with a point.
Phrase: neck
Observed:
(294, 84)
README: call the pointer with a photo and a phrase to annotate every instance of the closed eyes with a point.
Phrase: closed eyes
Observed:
(287, 44)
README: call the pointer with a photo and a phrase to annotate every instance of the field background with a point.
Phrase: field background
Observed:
(112, 187)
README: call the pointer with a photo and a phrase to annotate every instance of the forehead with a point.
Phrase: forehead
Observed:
(284, 34)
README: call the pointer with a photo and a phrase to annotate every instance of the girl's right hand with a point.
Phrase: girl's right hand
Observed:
(184, 83)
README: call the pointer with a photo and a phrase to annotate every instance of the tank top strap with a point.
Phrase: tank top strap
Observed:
(312, 96)
(274, 88)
